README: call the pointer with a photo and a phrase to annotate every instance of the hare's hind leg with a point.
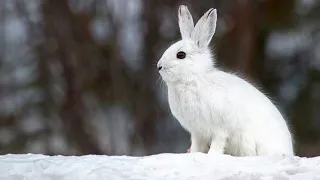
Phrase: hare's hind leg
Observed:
(242, 145)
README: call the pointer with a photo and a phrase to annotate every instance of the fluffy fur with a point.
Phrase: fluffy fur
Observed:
(222, 112)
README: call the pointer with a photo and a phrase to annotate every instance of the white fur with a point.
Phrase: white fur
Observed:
(222, 112)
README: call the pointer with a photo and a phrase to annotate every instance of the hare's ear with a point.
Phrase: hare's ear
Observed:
(205, 28)
(185, 22)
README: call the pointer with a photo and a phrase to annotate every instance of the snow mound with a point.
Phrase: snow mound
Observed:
(197, 166)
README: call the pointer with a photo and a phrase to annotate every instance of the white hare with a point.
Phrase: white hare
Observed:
(222, 112)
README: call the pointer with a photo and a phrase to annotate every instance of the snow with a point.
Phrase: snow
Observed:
(156, 167)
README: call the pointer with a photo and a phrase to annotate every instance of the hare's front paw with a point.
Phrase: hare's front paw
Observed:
(218, 144)
(198, 145)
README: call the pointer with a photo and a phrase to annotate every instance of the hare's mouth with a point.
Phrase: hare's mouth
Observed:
(168, 74)
(165, 73)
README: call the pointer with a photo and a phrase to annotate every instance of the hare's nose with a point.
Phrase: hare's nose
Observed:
(159, 65)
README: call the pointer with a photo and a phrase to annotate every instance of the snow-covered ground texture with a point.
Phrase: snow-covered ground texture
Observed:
(195, 166)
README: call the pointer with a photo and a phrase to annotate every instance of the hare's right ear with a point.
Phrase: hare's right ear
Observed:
(205, 28)
(186, 24)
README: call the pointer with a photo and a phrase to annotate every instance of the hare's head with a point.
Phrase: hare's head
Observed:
(191, 55)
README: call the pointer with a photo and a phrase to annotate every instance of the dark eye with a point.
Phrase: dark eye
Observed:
(181, 55)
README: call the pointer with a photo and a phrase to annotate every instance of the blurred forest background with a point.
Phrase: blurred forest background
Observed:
(79, 76)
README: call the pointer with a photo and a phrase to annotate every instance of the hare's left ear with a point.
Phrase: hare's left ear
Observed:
(185, 22)
(205, 28)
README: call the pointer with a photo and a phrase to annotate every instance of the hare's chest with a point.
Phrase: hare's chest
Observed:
(190, 109)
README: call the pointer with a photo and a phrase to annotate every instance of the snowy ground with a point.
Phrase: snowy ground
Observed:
(195, 166)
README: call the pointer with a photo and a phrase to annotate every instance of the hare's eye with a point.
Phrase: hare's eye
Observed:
(181, 55)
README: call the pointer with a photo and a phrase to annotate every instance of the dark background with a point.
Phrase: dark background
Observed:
(79, 76)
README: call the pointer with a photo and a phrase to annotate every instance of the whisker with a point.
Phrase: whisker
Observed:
(157, 81)
(163, 85)
(155, 62)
